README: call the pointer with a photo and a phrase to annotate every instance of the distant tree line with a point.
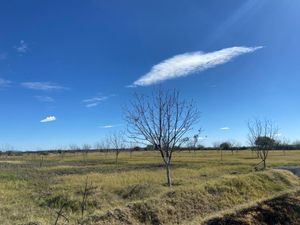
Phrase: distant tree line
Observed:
(278, 145)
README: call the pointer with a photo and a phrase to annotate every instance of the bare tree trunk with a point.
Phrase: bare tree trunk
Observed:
(264, 164)
(117, 156)
(221, 155)
(169, 180)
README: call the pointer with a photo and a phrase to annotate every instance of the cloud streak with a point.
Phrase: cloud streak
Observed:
(4, 83)
(48, 119)
(92, 102)
(42, 86)
(188, 63)
(95, 101)
(22, 48)
(44, 98)
(224, 128)
(110, 126)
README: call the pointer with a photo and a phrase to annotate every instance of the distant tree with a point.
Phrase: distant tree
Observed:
(132, 147)
(85, 149)
(192, 142)
(117, 143)
(161, 120)
(99, 146)
(283, 144)
(262, 134)
(200, 147)
(235, 146)
(106, 145)
(296, 144)
(137, 148)
(225, 146)
(74, 147)
(216, 145)
(60, 151)
(264, 142)
(7, 149)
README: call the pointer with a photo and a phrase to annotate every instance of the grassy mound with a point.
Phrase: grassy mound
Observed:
(181, 205)
(139, 191)
(281, 210)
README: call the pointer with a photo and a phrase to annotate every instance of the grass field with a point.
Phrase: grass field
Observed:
(34, 187)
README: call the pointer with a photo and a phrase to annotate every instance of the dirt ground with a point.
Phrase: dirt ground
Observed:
(281, 210)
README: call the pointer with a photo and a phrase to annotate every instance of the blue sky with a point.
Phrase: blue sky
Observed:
(66, 67)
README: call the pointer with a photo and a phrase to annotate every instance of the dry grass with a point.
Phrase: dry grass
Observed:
(32, 189)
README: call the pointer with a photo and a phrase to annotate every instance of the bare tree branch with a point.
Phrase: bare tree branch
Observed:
(161, 120)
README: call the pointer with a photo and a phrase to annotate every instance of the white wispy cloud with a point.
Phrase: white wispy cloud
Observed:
(22, 48)
(94, 101)
(4, 83)
(224, 128)
(44, 98)
(43, 86)
(110, 126)
(48, 119)
(188, 63)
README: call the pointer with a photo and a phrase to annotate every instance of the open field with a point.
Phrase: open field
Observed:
(34, 187)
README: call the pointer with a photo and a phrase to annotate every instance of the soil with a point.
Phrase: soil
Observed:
(282, 210)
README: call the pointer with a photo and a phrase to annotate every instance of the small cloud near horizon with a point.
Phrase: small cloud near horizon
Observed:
(224, 128)
(189, 63)
(48, 119)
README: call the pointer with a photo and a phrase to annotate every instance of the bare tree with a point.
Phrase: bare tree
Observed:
(216, 145)
(262, 134)
(74, 147)
(131, 147)
(117, 143)
(99, 146)
(61, 152)
(85, 149)
(235, 145)
(192, 142)
(8, 149)
(61, 215)
(161, 120)
(107, 145)
(87, 191)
